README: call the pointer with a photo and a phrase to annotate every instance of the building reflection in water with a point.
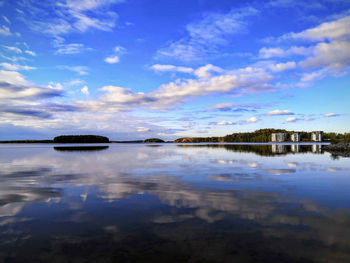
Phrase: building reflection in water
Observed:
(316, 148)
(278, 148)
(295, 148)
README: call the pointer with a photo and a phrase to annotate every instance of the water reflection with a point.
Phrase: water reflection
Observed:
(80, 148)
(263, 150)
(173, 203)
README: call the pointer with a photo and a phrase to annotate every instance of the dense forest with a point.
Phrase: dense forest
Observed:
(263, 135)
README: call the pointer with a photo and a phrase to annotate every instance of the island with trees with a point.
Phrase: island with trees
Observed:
(153, 140)
(80, 139)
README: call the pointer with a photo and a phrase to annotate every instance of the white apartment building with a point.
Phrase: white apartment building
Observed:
(295, 137)
(278, 137)
(317, 136)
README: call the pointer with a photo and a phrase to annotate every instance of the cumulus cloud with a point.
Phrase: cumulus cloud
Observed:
(205, 71)
(279, 52)
(329, 30)
(115, 58)
(334, 55)
(283, 66)
(112, 60)
(17, 91)
(85, 90)
(16, 67)
(279, 112)
(245, 80)
(308, 79)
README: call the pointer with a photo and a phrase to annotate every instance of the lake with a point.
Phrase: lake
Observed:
(173, 203)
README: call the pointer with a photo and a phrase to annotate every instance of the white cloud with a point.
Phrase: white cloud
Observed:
(271, 52)
(68, 49)
(29, 52)
(13, 86)
(6, 19)
(291, 119)
(4, 30)
(279, 52)
(171, 68)
(204, 35)
(283, 66)
(85, 90)
(242, 81)
(308, 79)
(204, 72)
(16, 67)
(119, 50)
(75, 82)
(81, 70)
(279, 112)
(329, 30)
(112, 59)
(115, 58)
(69, 16)
(12, 77)
(252, 119)
(224, 123)
(143, 129)
(334, 55)
(240, 122)
(331, 115)
(13, 49)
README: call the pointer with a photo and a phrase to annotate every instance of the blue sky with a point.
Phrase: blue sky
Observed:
(136, 69)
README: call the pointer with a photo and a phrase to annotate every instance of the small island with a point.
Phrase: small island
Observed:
(80, 139)
(153, 140)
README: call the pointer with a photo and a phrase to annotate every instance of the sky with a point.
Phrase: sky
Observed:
(136, 69)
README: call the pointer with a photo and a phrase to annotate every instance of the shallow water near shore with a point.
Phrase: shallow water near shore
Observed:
(173, 203)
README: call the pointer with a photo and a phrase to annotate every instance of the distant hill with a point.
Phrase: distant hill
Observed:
(80, 139)
(153, 140)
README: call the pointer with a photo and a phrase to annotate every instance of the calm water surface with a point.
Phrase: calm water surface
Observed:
(173, 203)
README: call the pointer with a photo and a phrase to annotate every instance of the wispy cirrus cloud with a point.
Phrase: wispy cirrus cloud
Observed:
(63, 17)
(29, 52)
(59, 18)
(206, 34)
(4, 30)
(80, 70)
(13, 49)
(16, 67)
